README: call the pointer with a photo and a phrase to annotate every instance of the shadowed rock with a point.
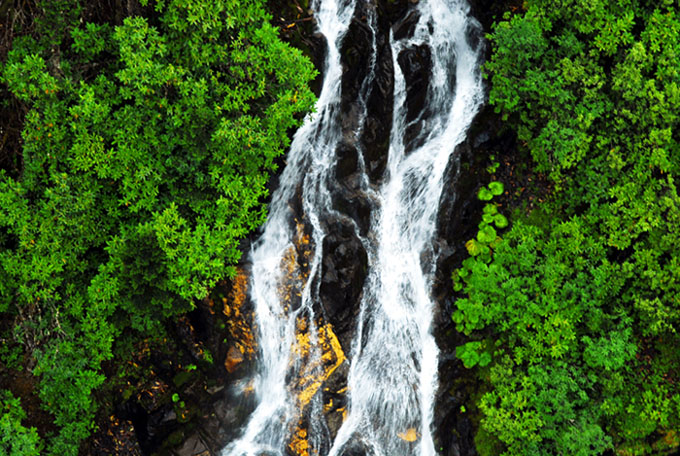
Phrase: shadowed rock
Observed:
(406, 26)
(347, 193)
(344, 268)
(355, 57)
(356, 447)
(416, 64)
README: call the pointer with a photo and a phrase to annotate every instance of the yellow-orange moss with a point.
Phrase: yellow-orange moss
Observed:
(299, 444)
(295, 268)
(314, 372)
(240, 324)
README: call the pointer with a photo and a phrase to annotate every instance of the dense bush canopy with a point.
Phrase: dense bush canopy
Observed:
(147, 145)
(580, 299)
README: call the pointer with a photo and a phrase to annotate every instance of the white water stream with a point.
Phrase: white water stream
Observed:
(393, 373)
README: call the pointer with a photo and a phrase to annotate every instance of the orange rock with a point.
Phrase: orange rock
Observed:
(410, 435)
(234, 358)
(299, 444)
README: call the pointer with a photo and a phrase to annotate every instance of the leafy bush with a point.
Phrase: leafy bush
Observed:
(146, 150)
(584, 301)
(473, 354)
(15, 439)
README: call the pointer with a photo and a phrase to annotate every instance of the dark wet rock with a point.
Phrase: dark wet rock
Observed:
(347, 161)
(355, 58)
(193, 446)
(376, 143)
(395, 10)
(347, 192)
(356, 447)
(453, 427)
(343, 272)
(416, 65)
(357, 54)
(356, 205)
(375, 136)
(474, 34)
(334, 394)
(406, 26)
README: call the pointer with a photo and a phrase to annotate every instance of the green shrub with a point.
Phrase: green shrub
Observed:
(147, 147)
(15, 439)
(585, 305)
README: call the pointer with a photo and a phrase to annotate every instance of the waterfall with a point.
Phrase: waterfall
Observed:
(392, 375)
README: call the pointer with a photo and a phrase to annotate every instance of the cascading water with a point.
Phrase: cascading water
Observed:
(393, 372)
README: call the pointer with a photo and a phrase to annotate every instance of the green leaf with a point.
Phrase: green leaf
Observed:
(490, 209)
(496, 188)
(486, 235)
(500, 220)
(469, 263)
(468, 353)
(473, 247)
(484, 194)
(484, 359)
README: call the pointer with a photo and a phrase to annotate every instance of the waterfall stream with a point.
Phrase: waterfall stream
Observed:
(392, 374)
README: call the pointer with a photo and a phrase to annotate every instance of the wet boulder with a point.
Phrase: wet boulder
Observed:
(368, 74)
(355, 56)
(375, 137)
(347, 163)
(405, 26)
(348, 192)
(344, 268)
(416, 65)
(356, 447)
(334, 396)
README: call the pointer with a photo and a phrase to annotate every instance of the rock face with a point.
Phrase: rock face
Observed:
(357, 59)
(343, 273)
(415, 63)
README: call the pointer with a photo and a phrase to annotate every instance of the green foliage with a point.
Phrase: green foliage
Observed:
(493, 166)
(473, 353)
(500, 221)
(486, 234)
(487, 193)
(583, 295)
(484, 194)
(481, 247)
(11, 355)
(15, 439)
(147, 147)
(496, 188)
